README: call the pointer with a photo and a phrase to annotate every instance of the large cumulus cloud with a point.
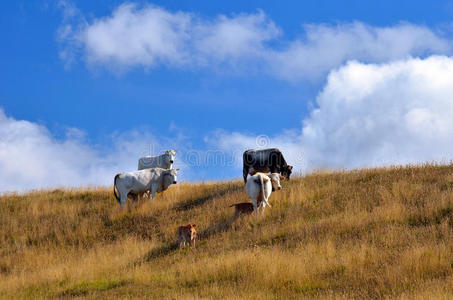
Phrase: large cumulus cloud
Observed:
(372, 115)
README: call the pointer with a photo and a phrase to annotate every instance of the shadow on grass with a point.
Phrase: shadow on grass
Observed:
(160, 251)
(86, 287)
(435, 218)
(154, 254)
(198, 201)
(142, 226)
(222, 225)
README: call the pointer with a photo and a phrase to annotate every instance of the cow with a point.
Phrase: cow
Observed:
(266, 160)
(164, 161)
(187, 234)
(259, 188)
(135, 184)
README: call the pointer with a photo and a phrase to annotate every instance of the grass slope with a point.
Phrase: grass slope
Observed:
(373, 233)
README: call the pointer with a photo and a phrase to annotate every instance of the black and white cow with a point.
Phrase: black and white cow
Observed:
(265, 160)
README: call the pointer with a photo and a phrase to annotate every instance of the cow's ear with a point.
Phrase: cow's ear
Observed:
(176, 169)
(290, 167)
(265, 179)
(194, 225)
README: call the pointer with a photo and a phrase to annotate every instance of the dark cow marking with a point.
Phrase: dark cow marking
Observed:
(266, 160)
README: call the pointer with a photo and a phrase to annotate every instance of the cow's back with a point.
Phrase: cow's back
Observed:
(148, 162)
(263, 159)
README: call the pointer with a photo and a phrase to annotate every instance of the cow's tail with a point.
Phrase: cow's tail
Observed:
(262, 190)
(114, 189)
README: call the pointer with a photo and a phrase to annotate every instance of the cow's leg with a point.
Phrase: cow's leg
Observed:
(153, 191)
(245, 172)
(255, 208)
(141, 196)
(134, 198)
(123, 198)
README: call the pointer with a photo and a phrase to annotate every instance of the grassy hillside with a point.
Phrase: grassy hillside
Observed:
(363, 234)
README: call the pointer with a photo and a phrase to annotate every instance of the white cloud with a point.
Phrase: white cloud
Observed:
(372, 115)
(148, 36)
(31, 157)
(325, 47)
(137, 37)
(243, 36)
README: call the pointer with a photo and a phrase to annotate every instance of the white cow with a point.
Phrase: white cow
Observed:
(259, 188)
(163, 161)
(135, 184)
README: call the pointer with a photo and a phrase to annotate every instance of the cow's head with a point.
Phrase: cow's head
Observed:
(170, 177)
(170, 156)
(192, 231)
(275, 180)
(286, 172)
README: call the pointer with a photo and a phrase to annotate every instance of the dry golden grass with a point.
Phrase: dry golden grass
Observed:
(377, 233)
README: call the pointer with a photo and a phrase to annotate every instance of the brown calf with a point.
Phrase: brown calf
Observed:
(187, 234)
(245, 208)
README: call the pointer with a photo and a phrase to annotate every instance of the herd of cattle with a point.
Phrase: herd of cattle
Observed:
(155, 175)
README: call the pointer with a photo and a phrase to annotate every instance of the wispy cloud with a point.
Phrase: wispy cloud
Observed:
(73, 21)
(371, 115)
(325, 47)
(148, 36)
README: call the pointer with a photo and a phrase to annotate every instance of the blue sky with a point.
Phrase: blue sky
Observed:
(90, 86)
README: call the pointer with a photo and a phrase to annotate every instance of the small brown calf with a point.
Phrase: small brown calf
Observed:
(187, 234)
(245, 208)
